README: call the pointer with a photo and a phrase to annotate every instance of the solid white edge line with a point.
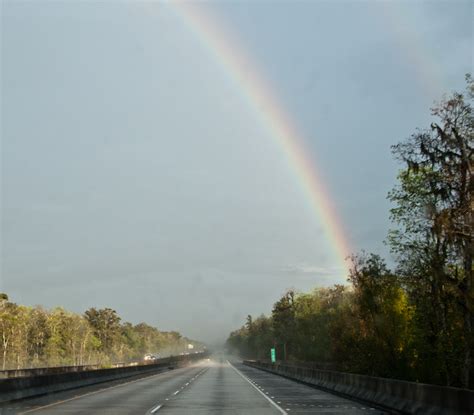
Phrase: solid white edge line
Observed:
(156, 409)
(282, 411)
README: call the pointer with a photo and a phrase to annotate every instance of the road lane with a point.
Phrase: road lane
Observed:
(220, 390)
(127, 398)
(211, 387)
(297, 398)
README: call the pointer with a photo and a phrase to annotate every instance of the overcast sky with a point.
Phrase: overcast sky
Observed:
(135, 176)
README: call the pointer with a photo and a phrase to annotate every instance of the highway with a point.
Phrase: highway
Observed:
(209, 387)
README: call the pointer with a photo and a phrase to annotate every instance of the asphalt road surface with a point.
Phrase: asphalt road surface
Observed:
(210, 387)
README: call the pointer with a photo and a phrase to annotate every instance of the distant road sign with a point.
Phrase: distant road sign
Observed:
(273, 354)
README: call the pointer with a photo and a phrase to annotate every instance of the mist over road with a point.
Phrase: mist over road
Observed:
(209, 387)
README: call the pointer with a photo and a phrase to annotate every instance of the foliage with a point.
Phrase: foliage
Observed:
(365, 328)
(35, 337)
(433, 243)
(414, 323)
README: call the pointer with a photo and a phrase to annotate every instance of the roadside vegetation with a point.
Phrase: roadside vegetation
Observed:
(36, 337)
(413, 322)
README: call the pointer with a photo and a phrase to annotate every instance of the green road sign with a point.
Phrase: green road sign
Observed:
(273, 354)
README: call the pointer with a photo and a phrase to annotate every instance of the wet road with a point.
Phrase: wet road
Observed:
(206, 388)
(296, 398)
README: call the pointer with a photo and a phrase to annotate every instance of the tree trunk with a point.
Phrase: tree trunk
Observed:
(5, 347)
(468, 314)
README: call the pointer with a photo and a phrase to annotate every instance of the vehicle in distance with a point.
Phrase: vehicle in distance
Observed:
(150, 357)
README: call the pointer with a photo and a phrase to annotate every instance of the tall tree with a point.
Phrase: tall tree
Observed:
(283, 318)
(106, 325)
(385, 317)
(434, 212)
(8, 319)
(38, 334)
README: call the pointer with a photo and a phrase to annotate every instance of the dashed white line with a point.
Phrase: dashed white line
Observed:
(156, 409)
(120, 385)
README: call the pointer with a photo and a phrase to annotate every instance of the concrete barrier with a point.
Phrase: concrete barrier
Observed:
(17, 373)
(401, 396)
(50, 382)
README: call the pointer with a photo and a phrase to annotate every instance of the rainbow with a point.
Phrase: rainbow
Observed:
(410, 44)
(267, 108)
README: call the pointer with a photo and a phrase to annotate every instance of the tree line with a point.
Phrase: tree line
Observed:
(36, 337)
(412, 322)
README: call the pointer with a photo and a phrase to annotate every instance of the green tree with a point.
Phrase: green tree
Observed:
(105, 324)
(33, 336)
(386, 329)
(283, 319)
(38, 335)
(315, 315)
(8, 320)
(434, 239)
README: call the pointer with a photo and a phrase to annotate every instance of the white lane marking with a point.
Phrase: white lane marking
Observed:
(100, 391)
(156, 409)
(278, 407)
